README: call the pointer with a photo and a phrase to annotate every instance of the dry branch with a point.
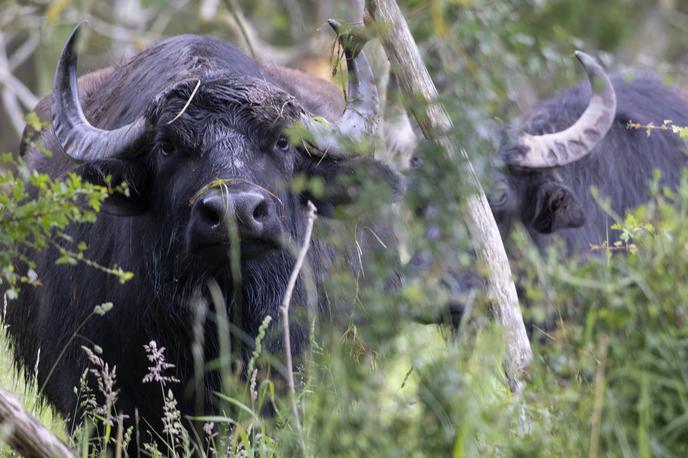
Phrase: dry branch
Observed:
(25, 434)
(415, 82)
(13, 91)
(284, 310)
(246, 32)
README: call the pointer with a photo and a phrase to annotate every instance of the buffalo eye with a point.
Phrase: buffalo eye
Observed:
(166, 148)
(282, 143)
(499, 197)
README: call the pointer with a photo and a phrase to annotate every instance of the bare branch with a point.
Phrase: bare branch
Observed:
(208, 9)
(13, 91)
(266, 52)
(25, 434)
(163, 16)
(104, 28)
(7, 79)
(415, 82)
(13, 110)
(23, 52)
(297, 20)
(13, 11)
(129, 15)
(284, 310)
(243, 26)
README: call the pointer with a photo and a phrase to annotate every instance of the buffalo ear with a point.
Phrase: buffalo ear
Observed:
(346, 180)
(118, 176)
(556, 208)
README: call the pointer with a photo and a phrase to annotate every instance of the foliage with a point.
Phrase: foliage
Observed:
(610, 374)
(35, 210)
(620, 331)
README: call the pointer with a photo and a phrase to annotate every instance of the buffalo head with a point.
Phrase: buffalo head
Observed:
(528, 188)
(214, 154)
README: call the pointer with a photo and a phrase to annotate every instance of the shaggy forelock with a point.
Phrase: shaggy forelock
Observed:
(246, 99)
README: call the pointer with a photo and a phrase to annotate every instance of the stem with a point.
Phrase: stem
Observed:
(284, 310)
(120, 437)
(62, 352)
(79, 256)
(600, 383)
(238, 16)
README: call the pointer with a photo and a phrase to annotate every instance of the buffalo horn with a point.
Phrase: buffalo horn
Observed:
(570, 145)
(358, 122)
(77, 137)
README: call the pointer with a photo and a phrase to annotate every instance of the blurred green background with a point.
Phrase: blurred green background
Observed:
(515, 50)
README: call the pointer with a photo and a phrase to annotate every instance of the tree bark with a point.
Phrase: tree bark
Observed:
(433, 120)
(25, 434)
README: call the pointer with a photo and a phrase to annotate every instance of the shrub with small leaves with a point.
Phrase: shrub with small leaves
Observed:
(35, 210)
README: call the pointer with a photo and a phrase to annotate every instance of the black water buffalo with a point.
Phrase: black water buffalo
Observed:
(197, 130)
(580, 139)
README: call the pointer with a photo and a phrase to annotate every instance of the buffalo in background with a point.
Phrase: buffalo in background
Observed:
(581, 139)
(567, 145)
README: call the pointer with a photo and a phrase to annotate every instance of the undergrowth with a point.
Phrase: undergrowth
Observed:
(609, 377)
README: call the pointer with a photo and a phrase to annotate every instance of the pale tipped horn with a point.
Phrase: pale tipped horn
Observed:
(359, 120)
(77, 137)
(576, 142)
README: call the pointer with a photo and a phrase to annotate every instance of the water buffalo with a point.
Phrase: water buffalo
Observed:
(544, 172)
(198, 132)
(580, 139)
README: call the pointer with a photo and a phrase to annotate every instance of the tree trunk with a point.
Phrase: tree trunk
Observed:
(415, 82)
(25, 434)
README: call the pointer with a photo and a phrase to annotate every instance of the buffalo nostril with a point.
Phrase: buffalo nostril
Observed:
(209, 213)
(261, 211)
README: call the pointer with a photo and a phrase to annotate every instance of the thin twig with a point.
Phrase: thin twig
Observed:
(23, 52)
(13, 91)
(186, 105)
(244, 28)
(284, 310)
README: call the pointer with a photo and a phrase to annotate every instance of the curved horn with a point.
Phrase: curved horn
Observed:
(576, 142)
(360, 117)
(78, 138)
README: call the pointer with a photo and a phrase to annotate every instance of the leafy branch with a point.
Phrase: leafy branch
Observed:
(35, 210)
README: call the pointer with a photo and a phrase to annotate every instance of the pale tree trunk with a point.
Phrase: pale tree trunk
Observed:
(414, 81)
(25, 434)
